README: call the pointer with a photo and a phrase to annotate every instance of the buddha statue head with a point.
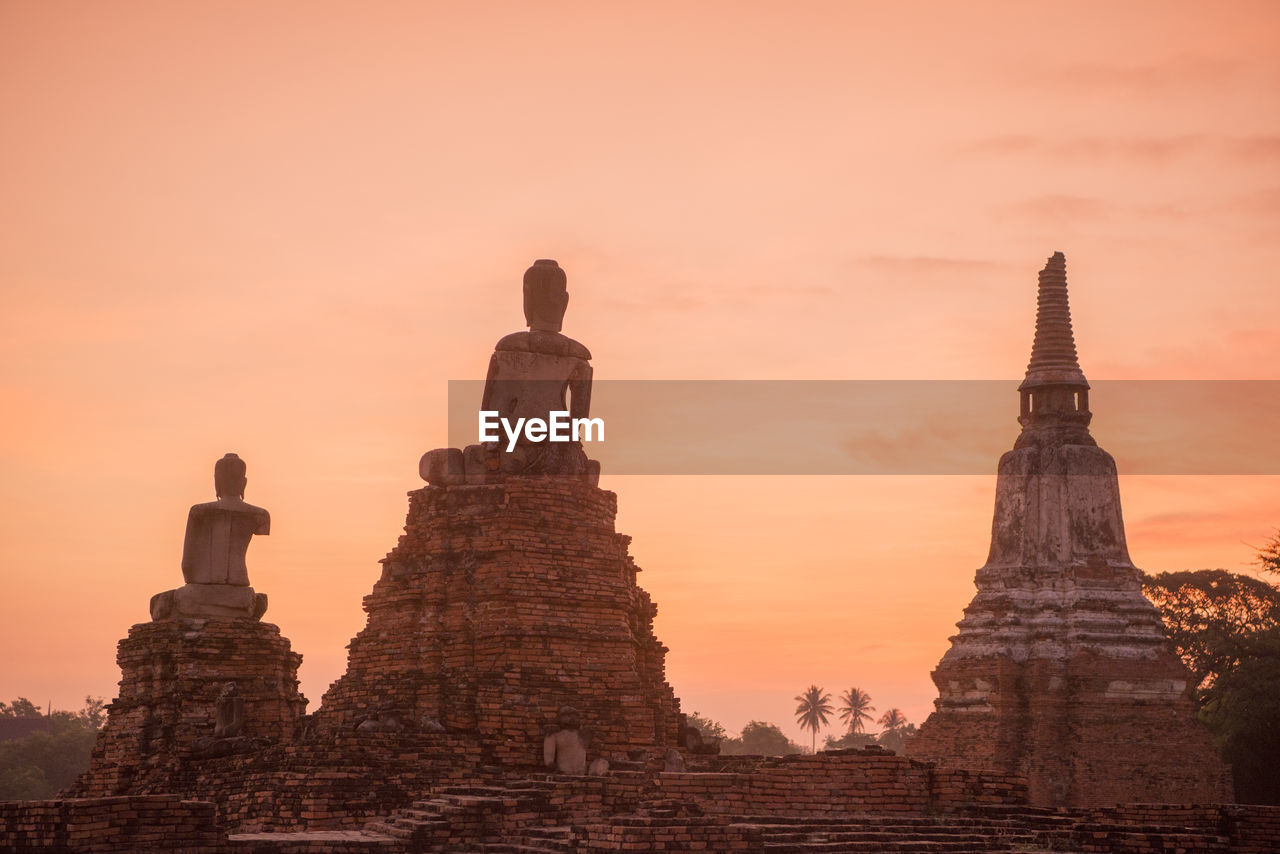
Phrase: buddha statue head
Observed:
(229, 477)
(569, 718)
(545, 296)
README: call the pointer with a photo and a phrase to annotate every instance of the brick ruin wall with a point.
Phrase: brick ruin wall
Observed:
(644, 833)
(639, 810)
(500, 604)
(1134, 748)
(172, 674)
(320, 785)
(361, 777)
(123, 825)
(1252, 828)
(836, 783)
(282, 772)
(1081, 732)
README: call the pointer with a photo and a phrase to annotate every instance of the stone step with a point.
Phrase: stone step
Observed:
(517, 789)
(906, 844)
(408, 828)
(421, 815)
(894, 836)
(385, 828)
(476, 802)
(900, 827)
(1123, 839)
(466, 818)
(316, 842)
(872, 820)
(1024, 813)
(552, 839)
(534, 785)
(895, 833)
(1103, 826)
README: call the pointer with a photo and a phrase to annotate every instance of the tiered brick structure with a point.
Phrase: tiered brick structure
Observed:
(1060, 670)
(173, 673)
(501, 603)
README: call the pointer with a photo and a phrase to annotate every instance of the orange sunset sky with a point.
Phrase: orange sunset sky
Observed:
(279, 229)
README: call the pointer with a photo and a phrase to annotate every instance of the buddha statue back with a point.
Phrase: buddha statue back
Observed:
(218, 532)
(213, 554)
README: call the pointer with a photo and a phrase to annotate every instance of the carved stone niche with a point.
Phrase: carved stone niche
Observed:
(564, 748)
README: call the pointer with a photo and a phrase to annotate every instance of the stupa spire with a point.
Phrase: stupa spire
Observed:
(1054, 393)
(1058, 645)
(1053, 353)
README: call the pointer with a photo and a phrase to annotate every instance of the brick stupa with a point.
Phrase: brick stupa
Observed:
(1060, 670)
(510, 594)
(503, 602)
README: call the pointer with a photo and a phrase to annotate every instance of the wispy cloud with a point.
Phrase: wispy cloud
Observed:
(1133, 149)
(1265, 202)
(1176, 74)
(930, 264)
(1057, 207)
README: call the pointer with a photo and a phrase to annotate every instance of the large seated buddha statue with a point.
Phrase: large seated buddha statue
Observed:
(531, 375)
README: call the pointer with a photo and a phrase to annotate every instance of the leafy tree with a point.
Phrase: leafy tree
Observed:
(94, 713)
(1226, 628)
(848, 741)
(38, 765)
(1242, 708)
(1209, 613)
(813, 711)
(855, 709)
(759, 738)
(20, 708)
(896, 738)
(893, 720)
(1269, 554)
(708, 728)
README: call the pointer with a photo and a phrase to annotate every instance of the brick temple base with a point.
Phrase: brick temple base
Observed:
(1085, 732)
(501, 603)
(172, 675)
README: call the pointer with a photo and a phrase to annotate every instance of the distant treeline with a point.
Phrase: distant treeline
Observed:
(41, 754)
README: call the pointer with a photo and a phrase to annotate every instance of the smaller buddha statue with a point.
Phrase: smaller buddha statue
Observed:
(564, 748)
(228, 719)
(213, 553)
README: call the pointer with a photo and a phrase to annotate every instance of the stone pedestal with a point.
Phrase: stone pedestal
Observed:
(165, 718)
(203, 601)
(502, 603)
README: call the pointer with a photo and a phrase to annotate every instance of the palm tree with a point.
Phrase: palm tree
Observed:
(815, 706)
(856, 707)
(893, 720)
